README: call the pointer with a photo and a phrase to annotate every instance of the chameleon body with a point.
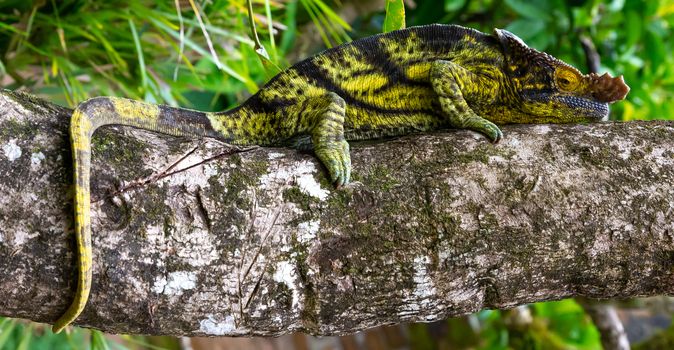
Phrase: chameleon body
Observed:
(411, 80)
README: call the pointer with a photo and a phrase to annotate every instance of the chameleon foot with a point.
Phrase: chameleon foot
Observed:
(327, 137)
(336, 158)
(489, 129)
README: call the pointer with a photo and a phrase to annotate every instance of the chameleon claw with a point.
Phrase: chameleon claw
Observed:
(341, 177)
(493, 133)
(499, 136)
(346, 162)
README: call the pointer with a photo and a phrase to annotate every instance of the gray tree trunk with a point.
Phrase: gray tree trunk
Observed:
(190, 239)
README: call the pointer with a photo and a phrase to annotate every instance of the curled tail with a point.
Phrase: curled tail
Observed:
(86, 118)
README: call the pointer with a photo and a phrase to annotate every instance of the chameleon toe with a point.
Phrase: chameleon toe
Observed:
(346, 162)
(498, 136)
(492, 131)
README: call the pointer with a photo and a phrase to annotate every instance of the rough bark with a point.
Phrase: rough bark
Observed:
(259, 243)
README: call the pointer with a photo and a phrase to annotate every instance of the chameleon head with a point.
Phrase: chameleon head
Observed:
(546, 89)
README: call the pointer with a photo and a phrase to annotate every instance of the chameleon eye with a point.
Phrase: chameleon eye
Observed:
(566, 78)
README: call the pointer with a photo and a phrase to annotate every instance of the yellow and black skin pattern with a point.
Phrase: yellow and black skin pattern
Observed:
(411, 80)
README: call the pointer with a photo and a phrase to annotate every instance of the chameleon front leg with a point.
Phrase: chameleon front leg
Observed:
(449, 80)
(325, 123)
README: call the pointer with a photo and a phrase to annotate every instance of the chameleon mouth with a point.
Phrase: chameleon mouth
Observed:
(586, 109)
(568, 108)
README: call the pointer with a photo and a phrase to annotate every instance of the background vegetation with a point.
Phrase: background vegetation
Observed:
(201, 54)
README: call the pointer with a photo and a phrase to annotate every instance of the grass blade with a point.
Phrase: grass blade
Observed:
(270, 28)
(139, 50)
(181, 50)
(98, 341)
(6, 327)
(329, 13)
(212, 29)
(192, 45)
(269, 66)
(319, 27)
(197, 13)
(326, 19)
(26, 336)
(288, 37)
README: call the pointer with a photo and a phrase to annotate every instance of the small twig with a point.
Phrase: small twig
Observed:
(166, 172)
(259, 248)
(592, 58)
(182, 39)
(611, 329)
(257, 255)
(233, 150)
(152, 178)
(253, 29)
(197, 14)
(257, 285)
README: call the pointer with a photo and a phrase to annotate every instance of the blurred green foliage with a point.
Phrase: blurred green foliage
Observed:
(16, 334)
(661, 340)
(551, 326)
(24, 335)
(70, 50)
(199, 54)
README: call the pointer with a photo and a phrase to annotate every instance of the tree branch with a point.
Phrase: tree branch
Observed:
(259, 243)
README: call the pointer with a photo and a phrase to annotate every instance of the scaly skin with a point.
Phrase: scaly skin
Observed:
(411, 80)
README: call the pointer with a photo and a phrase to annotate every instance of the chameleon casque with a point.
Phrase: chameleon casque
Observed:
(411, 80)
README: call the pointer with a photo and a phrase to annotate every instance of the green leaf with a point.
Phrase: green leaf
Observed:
(655, 47)
(25, 337)
(395, 15)
(526, 28)
(268, 62)
(453, 5)
(288, 37)
(139, 50)
(529, 9)
(581, 17)
(6, 327)
(633, 28)
(567, 325)
(616, 5)
(191, 44)
(98, 341)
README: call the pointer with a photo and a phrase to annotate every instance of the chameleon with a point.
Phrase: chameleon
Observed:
(406, 81)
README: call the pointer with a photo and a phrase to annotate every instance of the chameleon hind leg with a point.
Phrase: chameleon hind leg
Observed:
(325, 124)
(449, 80)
